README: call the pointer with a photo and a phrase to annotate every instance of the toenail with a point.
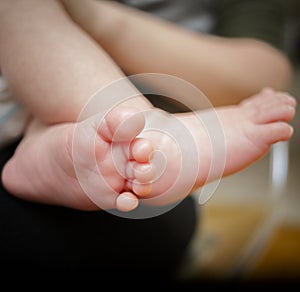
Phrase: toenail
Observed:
(126, 202)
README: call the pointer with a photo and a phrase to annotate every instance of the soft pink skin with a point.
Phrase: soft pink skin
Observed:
(45, 162)
(124, 171)
(249, 129)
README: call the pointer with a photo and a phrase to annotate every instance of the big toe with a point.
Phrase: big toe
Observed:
(122, 124)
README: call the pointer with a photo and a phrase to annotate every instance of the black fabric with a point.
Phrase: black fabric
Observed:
(48, 242)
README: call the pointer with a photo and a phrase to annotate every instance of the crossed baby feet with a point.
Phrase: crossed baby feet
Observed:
(117, 159)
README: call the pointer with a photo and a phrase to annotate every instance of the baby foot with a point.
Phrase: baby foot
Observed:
(252, 127)
(248, 131)
(82, 165)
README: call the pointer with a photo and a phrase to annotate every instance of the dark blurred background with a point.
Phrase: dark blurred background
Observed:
(250, 228)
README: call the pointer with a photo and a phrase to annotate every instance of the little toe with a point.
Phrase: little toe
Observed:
(269, 96)
(264, 96)
(126, 202)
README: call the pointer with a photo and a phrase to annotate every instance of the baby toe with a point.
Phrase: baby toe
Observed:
(126, 202)
(144, 172)
(122, 124)
(141, 150)
(141, 189)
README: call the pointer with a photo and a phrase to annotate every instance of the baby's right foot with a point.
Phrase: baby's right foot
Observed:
(246, 133)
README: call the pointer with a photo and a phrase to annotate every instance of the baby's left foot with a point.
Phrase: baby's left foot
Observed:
(82, 165)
